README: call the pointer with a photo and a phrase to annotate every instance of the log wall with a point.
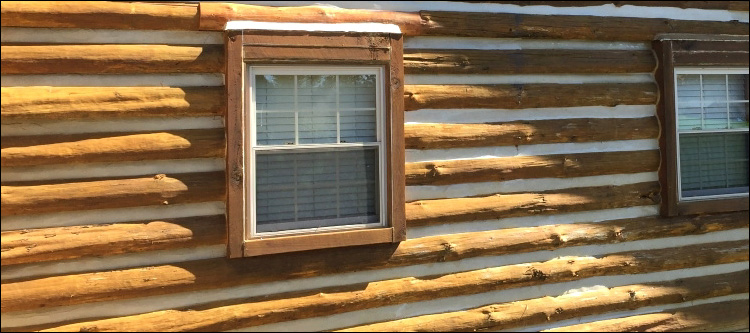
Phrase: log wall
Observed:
(532, 193)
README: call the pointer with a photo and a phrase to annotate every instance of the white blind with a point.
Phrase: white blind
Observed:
(316, 178)
(712, 114)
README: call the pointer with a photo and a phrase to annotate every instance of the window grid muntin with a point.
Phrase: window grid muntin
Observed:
(252, 71)
(704, 71)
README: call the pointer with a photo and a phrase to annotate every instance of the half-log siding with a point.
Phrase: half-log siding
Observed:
(530, 167)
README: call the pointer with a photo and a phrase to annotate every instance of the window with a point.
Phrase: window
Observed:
(704, 118)
(315, 153)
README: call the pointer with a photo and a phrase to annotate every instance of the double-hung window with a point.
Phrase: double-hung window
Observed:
(703, 112)
(315, 144)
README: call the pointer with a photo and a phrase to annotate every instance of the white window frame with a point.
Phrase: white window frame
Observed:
(253, 147)
(703, 71)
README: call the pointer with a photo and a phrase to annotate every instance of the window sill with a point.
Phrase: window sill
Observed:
(257, 247)
(712, 206)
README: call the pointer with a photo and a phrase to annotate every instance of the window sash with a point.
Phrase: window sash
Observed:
(253, 148)
(679, 132)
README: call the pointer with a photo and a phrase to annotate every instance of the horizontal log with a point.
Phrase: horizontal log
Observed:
(66, 103)
(552, 61)
(515, 133)
(50, 244)
(114, 193)
(111, 147)
(99, 15)
(504, 25)
(500, 205)
(293, 306)
(111, 59)
(569, 306)
(728, 316)
(219, 273)
(524, 96)
(519, 167)
(721, 5)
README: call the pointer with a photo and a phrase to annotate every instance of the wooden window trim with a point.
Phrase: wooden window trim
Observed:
(259, 47)
(687, 50)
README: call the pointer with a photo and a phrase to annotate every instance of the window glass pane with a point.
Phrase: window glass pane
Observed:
(713, 163)
(738, 115)
(274, 104)
(711, 101)
(317, 108)
(357, 105)
(303, 190)
(737, 87)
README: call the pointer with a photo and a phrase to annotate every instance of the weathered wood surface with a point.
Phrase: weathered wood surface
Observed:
(219, 273)
(113, 193)
(524, 96)
(299, 305)
(550, 309)
(728, 316)
(514, 133)
(111, 59)
(430, 61)
(518, 167)
(50, 244)
(720, 5)
(99, 15)
(111, 147)
(66, 103)
(500, 205)
(566, 26)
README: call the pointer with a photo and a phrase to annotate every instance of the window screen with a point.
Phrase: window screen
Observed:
(317, 153)
(712, 124)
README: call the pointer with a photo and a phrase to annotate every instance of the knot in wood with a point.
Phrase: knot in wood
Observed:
(160, 176)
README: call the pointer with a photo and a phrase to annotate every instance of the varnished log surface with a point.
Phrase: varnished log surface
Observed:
(524, 96)
(553, 61)
(219, 273)
(550, 309)
(50, 244)
(111, 59)
(65, 103)
(253, 312)
(514, 133)
(115, 193)
(111, 147)
(522, 167)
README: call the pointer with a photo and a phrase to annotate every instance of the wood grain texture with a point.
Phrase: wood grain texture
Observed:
(218, 273)
(720, 5)
(111, 147)
(501, 205)
(74, 195)
(728, 316)
(553, 61)
(520, 167)
(514, 133)
(111, 59)
(524, 96)
(504, 25)
(67, 103)
(236, 136)
(99, 15)
(51, 244)
(568, 306)
(396, 144)
(252, 312)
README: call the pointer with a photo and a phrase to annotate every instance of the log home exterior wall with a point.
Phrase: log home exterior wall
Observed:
(531, 177)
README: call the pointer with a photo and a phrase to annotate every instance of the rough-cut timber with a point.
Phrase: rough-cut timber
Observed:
(111, 59)
(426, 61)
(523, 96)
(218, 273)
(500, 205)
(544, 166)
(550, 309)
(442, 136)
(214, 15)
(111, 147)
(283, 307)
(726, 316)
(115, 193)
(567, 26)
(99, 15)
(50, 244)
(64, 103)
